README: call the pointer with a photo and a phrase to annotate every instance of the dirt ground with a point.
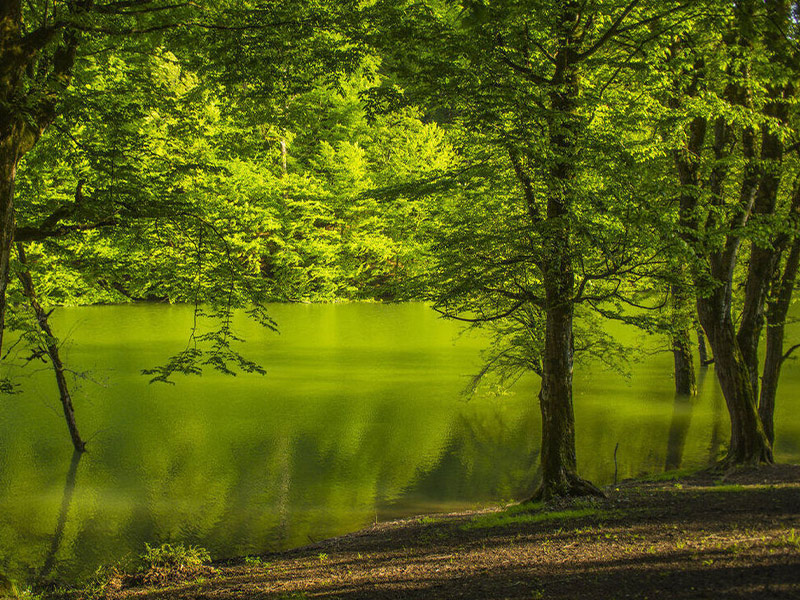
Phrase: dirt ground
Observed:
(699, 537)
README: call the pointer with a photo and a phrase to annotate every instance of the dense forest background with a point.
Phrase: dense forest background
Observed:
(529, 167)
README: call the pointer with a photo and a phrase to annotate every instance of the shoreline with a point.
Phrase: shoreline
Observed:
(697, 536)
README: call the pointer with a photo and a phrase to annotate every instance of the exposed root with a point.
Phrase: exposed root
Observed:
(569, 485)
(736, 459)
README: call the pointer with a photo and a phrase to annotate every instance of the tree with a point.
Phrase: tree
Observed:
(734, 84)
(527, 84)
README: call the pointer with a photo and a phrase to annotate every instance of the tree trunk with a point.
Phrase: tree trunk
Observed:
(25, 113)
(702, 349)
(8, 172)
(683, 361)
(749, 443)
(51, 346)
(763, 258)
(776, 320)
(559, 466)
(685, 383)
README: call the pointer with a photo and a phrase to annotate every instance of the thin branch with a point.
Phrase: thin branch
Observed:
(611, 31)
(789, 352)
(514, 308)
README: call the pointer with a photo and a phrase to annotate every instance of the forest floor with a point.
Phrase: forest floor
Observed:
(701, 536)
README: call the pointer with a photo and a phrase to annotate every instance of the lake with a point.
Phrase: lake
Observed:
(360, 417)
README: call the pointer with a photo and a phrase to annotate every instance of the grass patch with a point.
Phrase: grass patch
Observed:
(727, 488)
(530, 513)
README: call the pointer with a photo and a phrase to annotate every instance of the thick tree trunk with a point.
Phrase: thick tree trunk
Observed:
(25, 114)
(766, 256)
(51, 346)
(559, 466)
(749, 443)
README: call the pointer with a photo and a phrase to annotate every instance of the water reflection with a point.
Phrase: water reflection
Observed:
(360, 417)
(55, 544)
(678, 430)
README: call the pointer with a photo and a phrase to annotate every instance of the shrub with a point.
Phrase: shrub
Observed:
(173, 563)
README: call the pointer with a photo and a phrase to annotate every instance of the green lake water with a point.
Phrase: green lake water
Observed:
(359, 418)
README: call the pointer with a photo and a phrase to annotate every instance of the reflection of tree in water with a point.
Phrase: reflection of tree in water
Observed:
(490, 455)
(717, 431)
(58, 535)
(678, 430)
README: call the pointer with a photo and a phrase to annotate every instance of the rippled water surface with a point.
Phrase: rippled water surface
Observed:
(359, 418)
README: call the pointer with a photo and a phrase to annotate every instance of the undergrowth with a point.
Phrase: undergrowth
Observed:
(172, 563)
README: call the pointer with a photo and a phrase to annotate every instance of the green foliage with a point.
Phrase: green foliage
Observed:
(171, 563)
(104, 582)
(256, 561)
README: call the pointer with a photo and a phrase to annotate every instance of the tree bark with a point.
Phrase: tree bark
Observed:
(774, 358)
(702, 349)
(763, 258)
(8, 171)
(683, 361)
(51, 347)
(559, 465)
(749, 443)
(20, 47)
(777, 310)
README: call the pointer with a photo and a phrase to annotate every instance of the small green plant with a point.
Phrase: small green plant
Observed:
(103, 581)
(322, 557)
(426, 520)
(171, 563)
(790, 539)
(255, 561)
